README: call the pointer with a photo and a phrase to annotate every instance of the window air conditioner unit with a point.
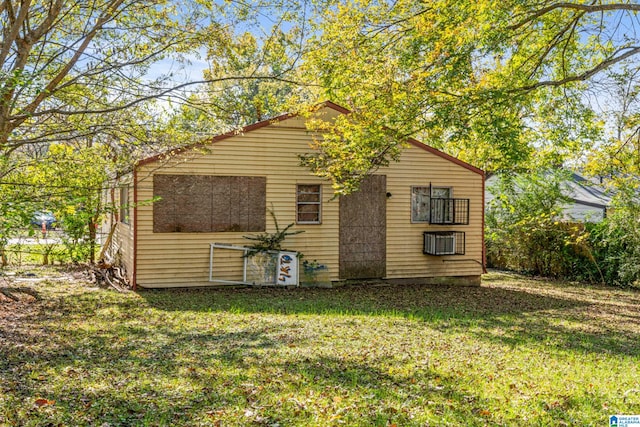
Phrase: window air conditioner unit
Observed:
(443, 243)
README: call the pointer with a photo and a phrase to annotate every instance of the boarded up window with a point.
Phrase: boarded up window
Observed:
(420, 197)
(203, 203)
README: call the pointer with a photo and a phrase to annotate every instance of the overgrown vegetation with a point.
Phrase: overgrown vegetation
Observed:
(512, 352)
(270, 241)
(66, 182)
(616, 244)
(19, 255)
(528, 232)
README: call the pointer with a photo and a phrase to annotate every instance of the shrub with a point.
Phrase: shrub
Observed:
(616, 243)
(526, 232)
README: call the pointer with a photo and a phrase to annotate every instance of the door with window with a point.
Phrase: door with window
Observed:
(363, 231)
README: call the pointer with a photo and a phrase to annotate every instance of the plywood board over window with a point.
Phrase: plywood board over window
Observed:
(207, 203)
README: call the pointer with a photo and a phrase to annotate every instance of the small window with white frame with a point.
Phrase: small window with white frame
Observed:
(125, 213)
(308, 203)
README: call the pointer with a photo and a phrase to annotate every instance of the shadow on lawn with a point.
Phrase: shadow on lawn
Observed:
(172, 367)
(420, 301)
(11, 294)
(221, 375)
(511, 316)
(300, 391)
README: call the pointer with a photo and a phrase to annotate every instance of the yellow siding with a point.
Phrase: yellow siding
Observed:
(404, 239)
(182, 259)
(123, 233)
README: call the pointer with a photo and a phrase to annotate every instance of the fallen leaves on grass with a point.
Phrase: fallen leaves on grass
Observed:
(406, 355)
(44, 402)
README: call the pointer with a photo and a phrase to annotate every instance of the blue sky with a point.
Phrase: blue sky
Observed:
(192, 70)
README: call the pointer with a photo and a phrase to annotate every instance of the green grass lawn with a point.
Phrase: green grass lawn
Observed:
(513, 352)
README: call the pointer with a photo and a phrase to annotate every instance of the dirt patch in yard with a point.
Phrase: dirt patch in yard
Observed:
(22, 303)
(18, 306)
(20, 295)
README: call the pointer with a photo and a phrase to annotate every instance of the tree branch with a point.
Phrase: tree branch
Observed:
(11, 34)
(112, 8)
(159, 94)
(587, 8)
(585, 75)
(556, 40)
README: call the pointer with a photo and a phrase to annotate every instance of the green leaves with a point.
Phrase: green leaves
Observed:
(350, 147)
(251, 78)
(271, 241)
(526, 231)
(498, 84)
(68, 182)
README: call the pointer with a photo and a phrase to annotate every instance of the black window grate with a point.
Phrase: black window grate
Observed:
(449, 211)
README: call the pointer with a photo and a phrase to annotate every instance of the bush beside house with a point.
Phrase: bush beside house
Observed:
(525, 232)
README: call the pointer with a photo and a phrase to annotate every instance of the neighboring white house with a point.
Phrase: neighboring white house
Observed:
(589, 201)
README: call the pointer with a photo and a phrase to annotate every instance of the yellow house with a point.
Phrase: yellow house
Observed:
(420, 219)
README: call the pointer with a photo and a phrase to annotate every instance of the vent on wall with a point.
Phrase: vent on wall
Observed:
(443, 243)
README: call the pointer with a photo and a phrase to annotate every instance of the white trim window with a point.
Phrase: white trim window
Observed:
(421, 201)
(441, 209)
(125, 213)
(308, 203)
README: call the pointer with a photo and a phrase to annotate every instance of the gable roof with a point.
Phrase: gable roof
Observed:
(264, 123)
(586, 192)
(577, 188)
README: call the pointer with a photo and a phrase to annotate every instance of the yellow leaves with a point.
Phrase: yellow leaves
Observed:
(58, 150)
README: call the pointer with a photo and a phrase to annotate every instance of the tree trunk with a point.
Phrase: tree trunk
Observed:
(92, 241)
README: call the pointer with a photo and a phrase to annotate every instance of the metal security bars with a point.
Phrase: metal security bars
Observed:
(444, 243)
(449, 211)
